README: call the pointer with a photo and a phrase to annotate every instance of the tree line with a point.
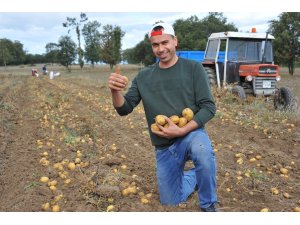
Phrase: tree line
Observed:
(105, 45)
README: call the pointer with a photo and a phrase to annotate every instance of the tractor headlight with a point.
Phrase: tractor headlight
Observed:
(249, 78)
(278, 78)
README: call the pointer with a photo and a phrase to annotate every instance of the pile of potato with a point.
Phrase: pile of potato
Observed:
(187, 115)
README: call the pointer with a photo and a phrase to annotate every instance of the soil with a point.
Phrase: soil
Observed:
(45, 124)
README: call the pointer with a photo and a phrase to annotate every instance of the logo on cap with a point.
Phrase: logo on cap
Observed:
(165, 29)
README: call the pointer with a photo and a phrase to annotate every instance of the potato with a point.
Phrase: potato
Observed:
(52, 183)
(154, 127)
(144, 200)
(44, 162)
(188, 114)
(297, 209)
(252, 160)
(44, 179)
(123, 167)
(286, 195)
(46, 206)
(182, 121)
(55, 208)
(53, 188)
(71, 166)
(110, 208)
(258, 157)
(175, 119)
(159, 119)
(132, 189)
(265, 210)
(284, 171)
(67, 181)
(238, 155)
(274, 191)
(125, 192)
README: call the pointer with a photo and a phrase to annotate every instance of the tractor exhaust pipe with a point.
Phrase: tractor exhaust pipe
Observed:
(265, 47)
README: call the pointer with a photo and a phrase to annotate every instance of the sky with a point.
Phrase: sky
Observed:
(35, 30)
(35, 25)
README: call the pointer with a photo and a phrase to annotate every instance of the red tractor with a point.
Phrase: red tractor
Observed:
(245, 60)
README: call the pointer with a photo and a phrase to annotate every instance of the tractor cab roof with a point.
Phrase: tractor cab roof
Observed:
(231, 34)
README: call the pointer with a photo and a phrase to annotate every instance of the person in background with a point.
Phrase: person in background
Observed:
(166, 88)
(44, 70)
(34, 72)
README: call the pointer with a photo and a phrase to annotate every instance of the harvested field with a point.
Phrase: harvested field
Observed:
(46, 124)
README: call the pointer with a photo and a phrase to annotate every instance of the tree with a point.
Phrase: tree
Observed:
(5, 51)
(11, 52)
(141, 53)
(33, 59)
(111, 45)
(18, 53)
(92, 41)
(52, 50)
(67, 52)
(287, 39)
(192, 33)
(73, 23)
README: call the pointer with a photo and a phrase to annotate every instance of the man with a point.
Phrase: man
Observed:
(167, 87)
(44, 70)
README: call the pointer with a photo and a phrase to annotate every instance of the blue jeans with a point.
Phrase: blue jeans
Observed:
(174, 184)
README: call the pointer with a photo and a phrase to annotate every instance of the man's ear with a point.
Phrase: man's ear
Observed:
(176, 42)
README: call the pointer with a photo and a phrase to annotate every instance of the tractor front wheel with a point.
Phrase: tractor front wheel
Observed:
(239, 91)
(283, 99)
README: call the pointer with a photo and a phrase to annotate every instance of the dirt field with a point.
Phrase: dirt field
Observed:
(46, 124)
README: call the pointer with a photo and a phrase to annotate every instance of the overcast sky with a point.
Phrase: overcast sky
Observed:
(36, 26)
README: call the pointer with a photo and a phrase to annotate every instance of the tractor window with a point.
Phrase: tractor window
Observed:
(269, 52)
(249, 50)
(212, 49)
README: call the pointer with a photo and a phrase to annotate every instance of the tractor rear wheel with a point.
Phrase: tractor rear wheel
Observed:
(239, 91)
(284, 99)
(212, 77)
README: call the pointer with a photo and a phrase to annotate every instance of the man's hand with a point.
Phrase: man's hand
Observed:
(172, 131)
(117, 82)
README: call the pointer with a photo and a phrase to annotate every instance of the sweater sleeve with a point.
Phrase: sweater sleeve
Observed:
(132, 99)
(205, 104)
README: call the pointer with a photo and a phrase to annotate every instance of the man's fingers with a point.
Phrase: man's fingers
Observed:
(118, 69)
(169, 121)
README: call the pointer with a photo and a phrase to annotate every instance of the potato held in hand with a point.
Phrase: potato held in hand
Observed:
(182, 122)
(175, 119)
(154, 127)
(188, 114)
(159, 119)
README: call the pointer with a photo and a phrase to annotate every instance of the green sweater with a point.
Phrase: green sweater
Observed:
(168, 91)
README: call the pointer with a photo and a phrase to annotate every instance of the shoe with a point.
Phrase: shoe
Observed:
(211, 208)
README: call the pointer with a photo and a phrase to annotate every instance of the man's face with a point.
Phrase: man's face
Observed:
(164, 46)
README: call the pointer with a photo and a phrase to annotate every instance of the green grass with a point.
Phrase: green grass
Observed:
(256, 175)
(70, 137)
(31, 185)
(6, 106)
